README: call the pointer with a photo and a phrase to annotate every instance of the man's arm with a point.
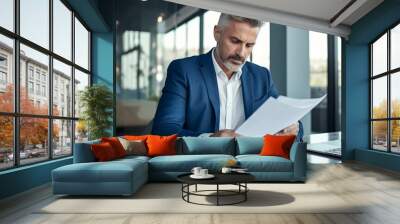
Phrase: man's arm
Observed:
(170, 115)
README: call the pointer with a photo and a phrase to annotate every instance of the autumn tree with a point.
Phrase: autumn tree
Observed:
(33, 131)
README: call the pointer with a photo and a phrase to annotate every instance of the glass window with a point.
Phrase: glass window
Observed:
(35, 21)
(181, 41)
(379, 98)
(318, 51)
(6, 72)
(395, 136)
(62, 29)
(261, 50)
(81, 45)
(40, 62)
(81, 131)
(7, 14)
(210, 20)
(395, 95)
(379, 135)
(81, 81)
(379, 56)
(193, 31)
(6, 142)
(63, 72)
(395, 47)
(33, 140)
(62, 138)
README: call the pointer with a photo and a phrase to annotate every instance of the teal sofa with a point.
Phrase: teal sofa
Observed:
(125, 176)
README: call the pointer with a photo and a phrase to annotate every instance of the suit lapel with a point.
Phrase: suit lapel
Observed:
(210, 79)
(247, 87)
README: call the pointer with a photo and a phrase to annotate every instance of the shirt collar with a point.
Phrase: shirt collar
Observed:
(219, 71)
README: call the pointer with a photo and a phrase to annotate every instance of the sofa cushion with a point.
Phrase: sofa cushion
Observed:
(257, 163)
(212, 145)
(111, 171)
(161, 145)
(249, 145)
(134, 147)
(185, 163)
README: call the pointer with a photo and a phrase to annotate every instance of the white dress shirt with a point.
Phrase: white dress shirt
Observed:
(231, 109)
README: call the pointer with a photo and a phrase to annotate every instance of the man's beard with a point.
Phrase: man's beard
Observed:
(234, 67)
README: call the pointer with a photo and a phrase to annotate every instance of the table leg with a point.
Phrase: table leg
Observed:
(196, 188)
(217, 194)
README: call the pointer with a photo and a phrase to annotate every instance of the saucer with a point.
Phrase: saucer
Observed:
(208, 176)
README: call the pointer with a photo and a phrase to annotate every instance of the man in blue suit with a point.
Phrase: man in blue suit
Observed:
(216, 92)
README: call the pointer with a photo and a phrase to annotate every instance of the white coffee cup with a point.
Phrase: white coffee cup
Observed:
(196, 170)
(226, 170)
(203, 172)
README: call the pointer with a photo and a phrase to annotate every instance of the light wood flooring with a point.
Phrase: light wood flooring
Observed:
(378, 188)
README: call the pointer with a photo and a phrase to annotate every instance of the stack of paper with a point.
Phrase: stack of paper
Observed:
(276, 114)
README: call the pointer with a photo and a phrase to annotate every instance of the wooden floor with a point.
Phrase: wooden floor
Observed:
(378, 188)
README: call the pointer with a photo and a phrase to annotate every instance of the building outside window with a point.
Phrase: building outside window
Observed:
(34, 81)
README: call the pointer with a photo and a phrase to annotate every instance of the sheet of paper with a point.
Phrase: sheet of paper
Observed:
(276, 114)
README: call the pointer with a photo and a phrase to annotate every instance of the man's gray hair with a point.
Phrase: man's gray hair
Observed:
(224, 19)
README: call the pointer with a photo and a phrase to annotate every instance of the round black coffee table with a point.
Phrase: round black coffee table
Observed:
(238, 179)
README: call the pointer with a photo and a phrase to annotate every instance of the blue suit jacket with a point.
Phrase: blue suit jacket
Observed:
(189, 105)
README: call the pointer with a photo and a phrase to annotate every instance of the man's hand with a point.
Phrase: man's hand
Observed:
(291, 130)
(225, 133)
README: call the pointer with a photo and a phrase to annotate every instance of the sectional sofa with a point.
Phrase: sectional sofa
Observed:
(125, 176)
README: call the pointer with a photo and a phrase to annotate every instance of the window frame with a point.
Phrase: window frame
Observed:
(16, 115)
(388, 74)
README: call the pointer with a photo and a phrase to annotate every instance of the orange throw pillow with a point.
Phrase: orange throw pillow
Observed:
(136, 137)
(161, 145)
(116, 145)
(103, 152)
(277, 145)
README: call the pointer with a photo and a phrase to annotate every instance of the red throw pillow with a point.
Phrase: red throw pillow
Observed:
(116, 145)
(136, 137)
(103, 151)
(277, 145)
(161, 145)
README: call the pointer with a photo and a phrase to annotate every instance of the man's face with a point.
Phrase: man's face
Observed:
(235, 42)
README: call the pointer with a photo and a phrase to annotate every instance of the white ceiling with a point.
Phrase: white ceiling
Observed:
(315, 15)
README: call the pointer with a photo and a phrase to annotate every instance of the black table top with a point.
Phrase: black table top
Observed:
(220, 178)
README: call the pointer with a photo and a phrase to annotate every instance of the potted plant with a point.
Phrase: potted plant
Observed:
(96, 103)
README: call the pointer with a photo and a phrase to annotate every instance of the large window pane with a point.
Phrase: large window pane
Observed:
(210, 20)
(7, 14)
(81, 45)
(81, 131)
(395, 95)
(62, 89)
(6, 142)
(379, 135)
(6, 74)
(62, 138)
(34, 94)
(260, 54)
(379, 56)
(193, 30)
(62, 29)
(181, 41)
(379, 98)
(81, 81)
(318, 48)
(395, 47)
(33, 139)
(35, 21)
(395, 136)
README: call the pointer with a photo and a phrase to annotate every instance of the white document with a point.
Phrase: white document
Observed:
(276, 114)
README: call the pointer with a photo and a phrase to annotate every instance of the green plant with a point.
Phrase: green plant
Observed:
(96, 102)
